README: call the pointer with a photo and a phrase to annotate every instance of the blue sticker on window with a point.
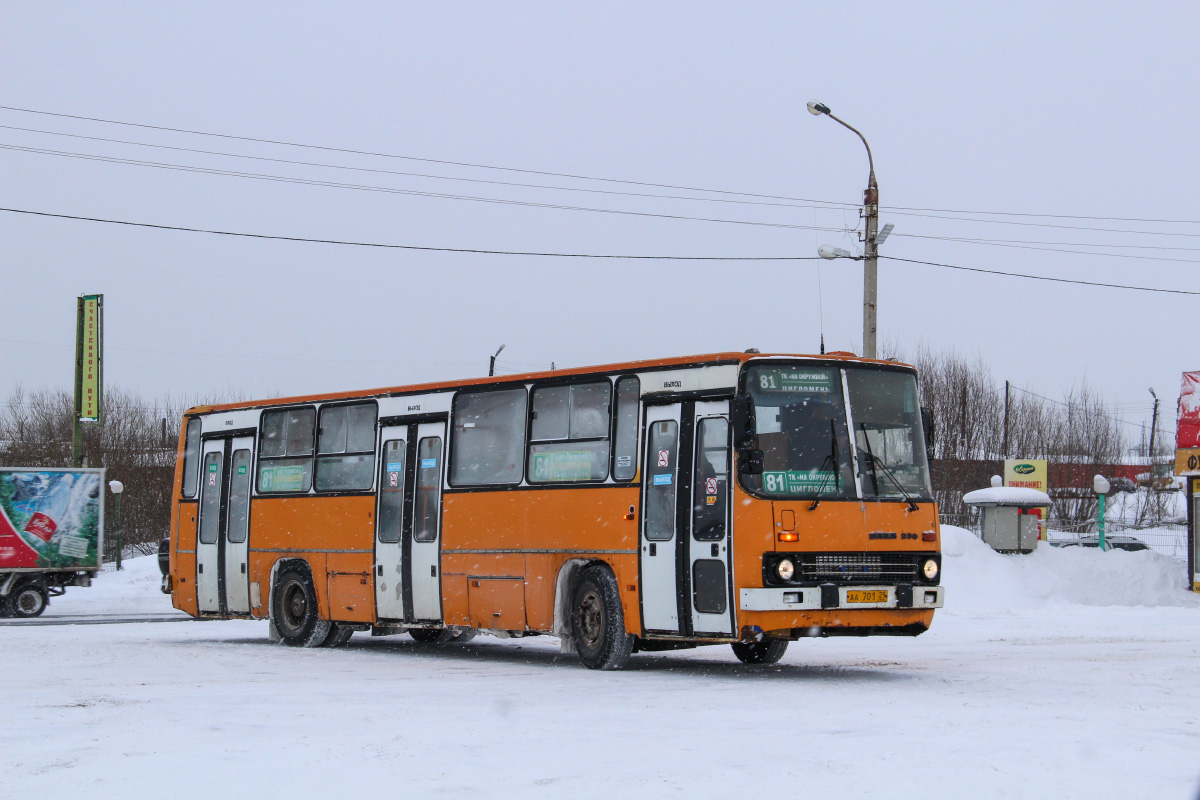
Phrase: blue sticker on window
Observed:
(395, 466)
(428, 463)
(662, 480)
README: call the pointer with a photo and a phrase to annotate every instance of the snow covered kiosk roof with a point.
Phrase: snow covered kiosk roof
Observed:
(1007, 496)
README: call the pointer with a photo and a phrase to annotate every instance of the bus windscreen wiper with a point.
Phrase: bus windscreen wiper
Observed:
(874, 460)
(832, 459)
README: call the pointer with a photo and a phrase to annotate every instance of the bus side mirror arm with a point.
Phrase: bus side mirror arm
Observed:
(741, 418)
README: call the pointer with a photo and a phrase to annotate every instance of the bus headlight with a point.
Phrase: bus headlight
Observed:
(785, 569)
(929, 569)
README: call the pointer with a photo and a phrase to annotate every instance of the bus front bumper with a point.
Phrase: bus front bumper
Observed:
(826, 596)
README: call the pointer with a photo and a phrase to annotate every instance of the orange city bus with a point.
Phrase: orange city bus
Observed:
(731, 498)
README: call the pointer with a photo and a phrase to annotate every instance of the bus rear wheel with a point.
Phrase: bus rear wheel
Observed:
(766, 651)
(598, 621)
(295, 612)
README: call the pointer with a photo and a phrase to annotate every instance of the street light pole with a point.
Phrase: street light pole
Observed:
(870, 239)
(116, 487)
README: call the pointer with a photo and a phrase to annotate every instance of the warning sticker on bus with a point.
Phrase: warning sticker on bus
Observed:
(796, 482)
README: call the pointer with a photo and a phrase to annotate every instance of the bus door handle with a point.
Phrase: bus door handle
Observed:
(379, 567)
(716, 551)
(653, 549)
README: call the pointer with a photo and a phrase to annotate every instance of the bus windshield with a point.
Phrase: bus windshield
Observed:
(801, 427)
(888, 435)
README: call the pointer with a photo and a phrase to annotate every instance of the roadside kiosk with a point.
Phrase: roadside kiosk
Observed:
(1009, 516)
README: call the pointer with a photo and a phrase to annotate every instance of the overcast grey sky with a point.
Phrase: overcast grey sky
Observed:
(1081, 109)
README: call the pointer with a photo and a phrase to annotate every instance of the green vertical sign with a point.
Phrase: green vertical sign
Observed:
(89, 369)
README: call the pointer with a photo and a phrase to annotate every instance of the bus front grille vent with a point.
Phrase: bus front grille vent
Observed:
(858, 568)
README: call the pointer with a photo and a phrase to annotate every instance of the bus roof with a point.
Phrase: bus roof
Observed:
(627, 366)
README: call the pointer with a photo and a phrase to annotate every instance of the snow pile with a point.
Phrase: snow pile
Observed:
(978, 579)
(133, 590)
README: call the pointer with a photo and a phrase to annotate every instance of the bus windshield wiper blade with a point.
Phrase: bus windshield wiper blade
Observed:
(832, 460)
(874, 460)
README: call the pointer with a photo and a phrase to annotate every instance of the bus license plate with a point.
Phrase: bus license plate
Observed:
(877, 596)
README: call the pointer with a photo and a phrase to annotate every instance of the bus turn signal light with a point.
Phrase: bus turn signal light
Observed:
(929, 536)
(789, 537)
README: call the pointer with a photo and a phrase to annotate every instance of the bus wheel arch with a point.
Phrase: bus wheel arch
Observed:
(564, 595)
(295, 613)
(598, 619)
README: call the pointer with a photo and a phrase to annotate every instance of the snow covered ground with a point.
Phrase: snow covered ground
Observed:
(1063, 674)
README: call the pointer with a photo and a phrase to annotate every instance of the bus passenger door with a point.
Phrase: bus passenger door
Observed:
(210, 541)
(659, 544)
(237, 527)
(424, 562)
(389, 523)
(709, 540)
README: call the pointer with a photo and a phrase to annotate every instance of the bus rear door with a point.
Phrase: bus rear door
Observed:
(408, 584)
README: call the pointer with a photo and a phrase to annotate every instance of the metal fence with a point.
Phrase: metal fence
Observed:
(1169, 539)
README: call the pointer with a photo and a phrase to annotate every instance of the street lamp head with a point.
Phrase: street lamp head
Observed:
(116, 487)
(817, 109)
(831, 252)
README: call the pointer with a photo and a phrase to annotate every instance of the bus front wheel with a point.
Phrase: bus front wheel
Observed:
(295, 612)
(598, 621)
(766, 651)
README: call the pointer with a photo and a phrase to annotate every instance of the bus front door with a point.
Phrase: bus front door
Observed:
(684, 546)
(708, 544)
(235, 573)
(210, 543)
(408, 583)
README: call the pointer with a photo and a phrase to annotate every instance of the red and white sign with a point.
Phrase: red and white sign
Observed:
(212, 479)
(710, 486)
(1187, 433)
(393, 478)
(664, 458)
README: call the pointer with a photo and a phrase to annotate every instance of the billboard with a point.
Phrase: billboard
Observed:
(51, 518)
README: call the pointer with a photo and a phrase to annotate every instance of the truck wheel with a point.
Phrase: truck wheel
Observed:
(28, 600)
(295, 612)
(598, 621)
(5, 608)
(766, 651)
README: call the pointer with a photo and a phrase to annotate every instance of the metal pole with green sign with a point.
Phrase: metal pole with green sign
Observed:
(1101, 487)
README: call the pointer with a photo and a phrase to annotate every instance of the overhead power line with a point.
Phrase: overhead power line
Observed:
(1041, 277)
(1041, 246)
(820, 204)
(1082, 409)
(570, 255)
(572, 176)
(408, 246)
(408, 192)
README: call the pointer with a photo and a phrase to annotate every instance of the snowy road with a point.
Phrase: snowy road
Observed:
(1060, 700)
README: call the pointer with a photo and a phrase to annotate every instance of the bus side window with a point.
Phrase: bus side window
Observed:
(191, 458)
(346, 448)
(285, 450)
(488, 447)
(626, 435)
(569, 433)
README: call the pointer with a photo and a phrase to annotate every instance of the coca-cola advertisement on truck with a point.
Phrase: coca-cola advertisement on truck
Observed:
(51, 519)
